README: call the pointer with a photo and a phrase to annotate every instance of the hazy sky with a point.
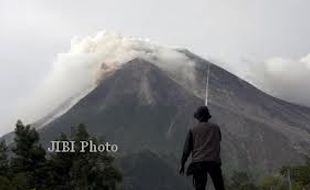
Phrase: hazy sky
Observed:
(263, 41)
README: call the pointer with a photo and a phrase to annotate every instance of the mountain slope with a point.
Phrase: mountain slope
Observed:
(145, 106)
(138, 105)
(142, 106)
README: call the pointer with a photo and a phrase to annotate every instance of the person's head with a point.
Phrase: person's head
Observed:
(202, 114)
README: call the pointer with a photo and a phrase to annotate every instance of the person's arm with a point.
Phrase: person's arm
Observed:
(187, 149)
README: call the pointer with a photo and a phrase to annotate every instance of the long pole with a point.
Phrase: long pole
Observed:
(207, 84)
(289, 179)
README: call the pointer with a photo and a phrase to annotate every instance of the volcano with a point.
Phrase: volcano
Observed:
(146, 109)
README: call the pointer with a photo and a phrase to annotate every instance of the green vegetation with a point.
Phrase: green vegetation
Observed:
(288, 178)
(240, 181)
(29, 167)
(25, 165)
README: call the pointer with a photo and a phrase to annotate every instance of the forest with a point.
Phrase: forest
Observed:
(26, 165)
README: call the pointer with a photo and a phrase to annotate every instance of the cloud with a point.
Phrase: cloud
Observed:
(284, 78)
(89, 60)
(306, 61)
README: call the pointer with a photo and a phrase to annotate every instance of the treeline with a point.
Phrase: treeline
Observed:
(288, 178)
(27, 166)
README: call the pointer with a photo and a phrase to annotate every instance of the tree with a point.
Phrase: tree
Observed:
(272, 183)
(4, 163)
(83, 170)
(300, 174)
(6, 184)
(29, 169)
(59, 168)
(241, 181)
(29, 157)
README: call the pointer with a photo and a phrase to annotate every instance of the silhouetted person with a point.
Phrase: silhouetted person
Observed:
(203, 142)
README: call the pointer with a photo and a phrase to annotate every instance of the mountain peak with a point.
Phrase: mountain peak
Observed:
(144, 80)
(148, 102)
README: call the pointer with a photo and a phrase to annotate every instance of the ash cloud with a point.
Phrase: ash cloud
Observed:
(89, 60)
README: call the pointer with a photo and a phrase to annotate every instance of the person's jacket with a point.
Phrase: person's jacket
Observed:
(203, 141)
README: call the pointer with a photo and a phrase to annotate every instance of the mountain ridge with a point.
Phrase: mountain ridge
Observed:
(142, 106)
(231, 100)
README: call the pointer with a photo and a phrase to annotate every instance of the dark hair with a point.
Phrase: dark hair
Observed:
(202, 114)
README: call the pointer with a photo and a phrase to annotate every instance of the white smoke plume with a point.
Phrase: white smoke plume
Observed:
(285, 78)
(91, 58)
(88, 60)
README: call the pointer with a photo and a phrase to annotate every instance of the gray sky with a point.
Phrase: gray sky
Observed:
(246, 37)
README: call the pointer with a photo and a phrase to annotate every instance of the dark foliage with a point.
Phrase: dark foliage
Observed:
(29, 168)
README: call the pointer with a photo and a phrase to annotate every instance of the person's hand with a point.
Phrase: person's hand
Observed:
(181, 170)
